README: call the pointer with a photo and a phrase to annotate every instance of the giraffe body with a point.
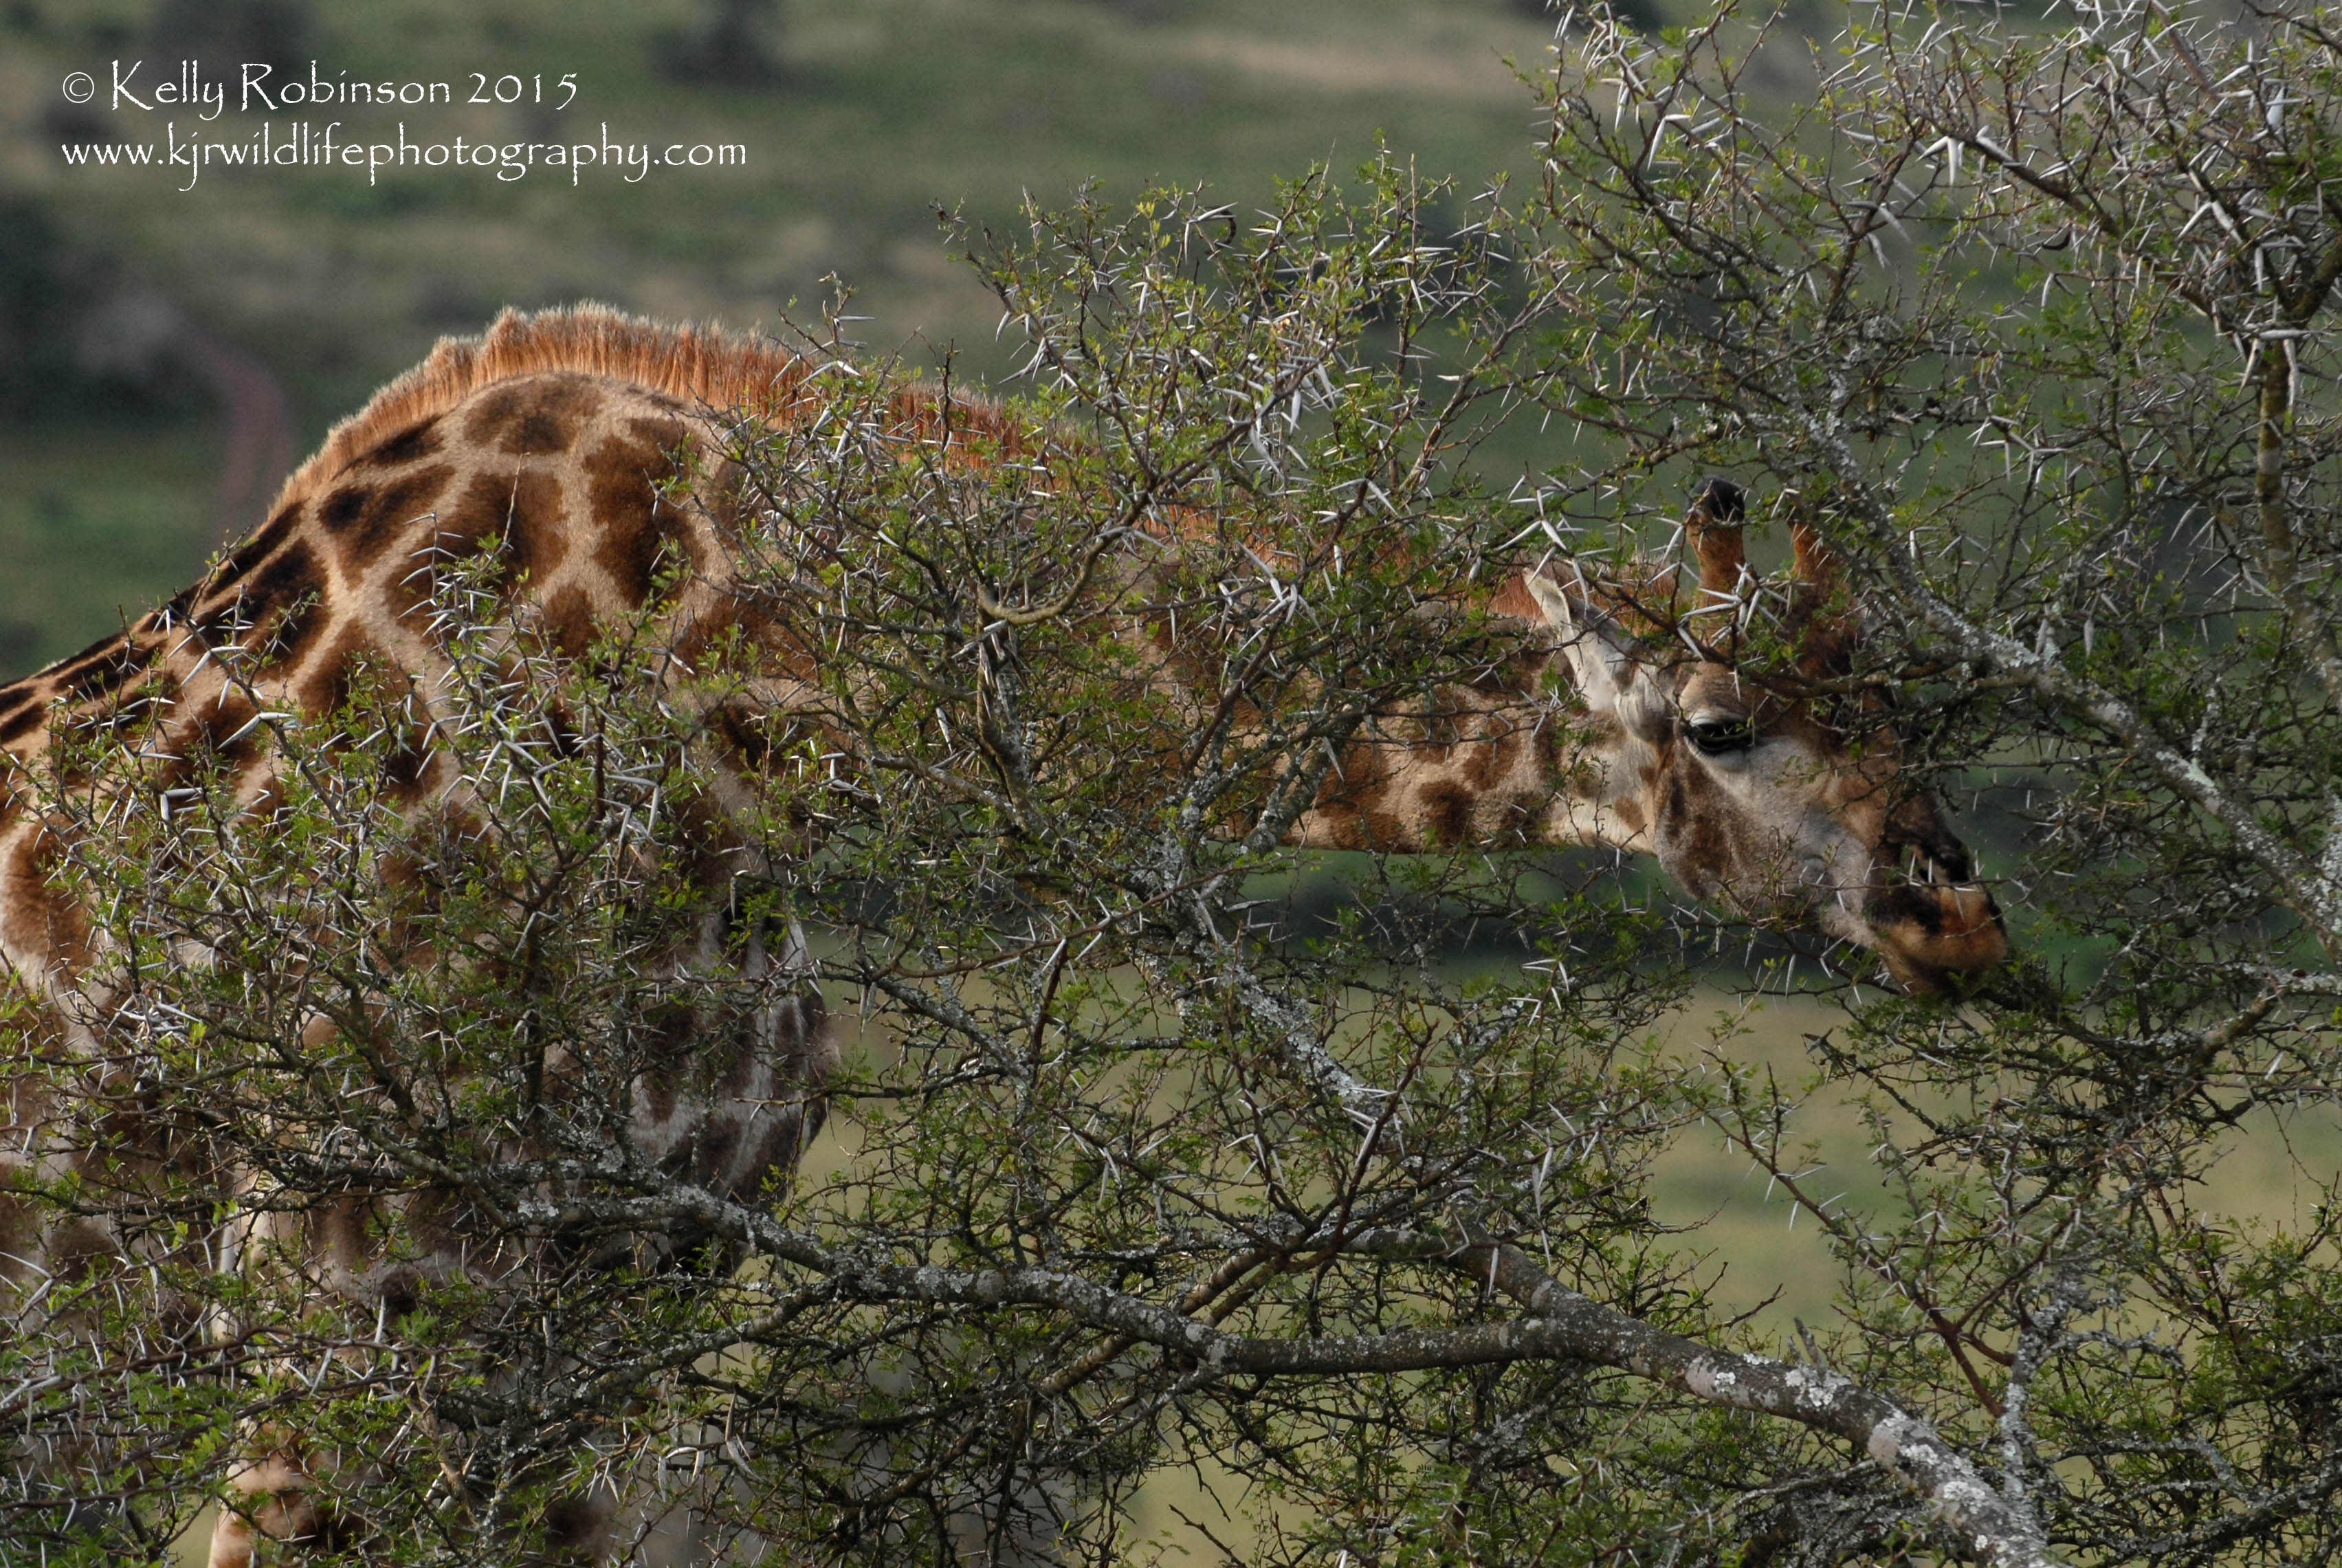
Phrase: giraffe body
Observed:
(584, 449)
(560, 447)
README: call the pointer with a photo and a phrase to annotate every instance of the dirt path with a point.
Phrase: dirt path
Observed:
(259, 445)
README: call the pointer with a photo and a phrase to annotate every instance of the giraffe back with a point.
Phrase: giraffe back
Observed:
(580, 455)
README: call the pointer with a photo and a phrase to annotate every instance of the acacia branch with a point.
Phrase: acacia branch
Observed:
(1562, 1325)
(2304, 889)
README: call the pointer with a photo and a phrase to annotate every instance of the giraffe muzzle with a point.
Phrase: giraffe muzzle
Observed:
(1934, 920)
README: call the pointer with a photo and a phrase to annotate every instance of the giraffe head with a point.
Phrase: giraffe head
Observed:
(1749, 791)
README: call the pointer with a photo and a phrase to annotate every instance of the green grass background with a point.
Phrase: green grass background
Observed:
(875, 113)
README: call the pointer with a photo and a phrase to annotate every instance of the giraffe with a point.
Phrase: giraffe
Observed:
(583, 447)
(1743, 789)
(1747, 790)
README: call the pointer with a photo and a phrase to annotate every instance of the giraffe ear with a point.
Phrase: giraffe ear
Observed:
(1601, 661)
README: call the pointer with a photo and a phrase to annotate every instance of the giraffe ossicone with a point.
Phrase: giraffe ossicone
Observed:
(585, 451)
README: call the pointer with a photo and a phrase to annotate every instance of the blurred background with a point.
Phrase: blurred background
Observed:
(166, 353)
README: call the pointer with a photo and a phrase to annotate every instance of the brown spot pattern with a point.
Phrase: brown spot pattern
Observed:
(224, 727)
(291, 575)
(293, 632)
(569, 621)
(520, 509)
(535, 527)
(1447, 814)
(412, 445)
(106, 668)
(623, 477)
(257, 548)
(33, 920)
(538, 417)
(407, 772)
(325, 686)
(364, 519)
(520, 444)
(742, 732)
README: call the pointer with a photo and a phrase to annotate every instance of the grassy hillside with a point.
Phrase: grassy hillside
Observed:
(858, 117)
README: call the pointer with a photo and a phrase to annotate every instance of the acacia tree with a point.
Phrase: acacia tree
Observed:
(1141, 1159)
(2028, 321)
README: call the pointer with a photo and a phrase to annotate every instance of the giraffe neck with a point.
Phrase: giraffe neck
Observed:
(1488, 768)
(1510, 785)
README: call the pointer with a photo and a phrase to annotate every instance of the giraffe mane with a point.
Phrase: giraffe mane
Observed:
(700, 364)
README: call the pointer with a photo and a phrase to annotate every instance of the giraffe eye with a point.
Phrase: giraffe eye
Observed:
(1717, 737)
